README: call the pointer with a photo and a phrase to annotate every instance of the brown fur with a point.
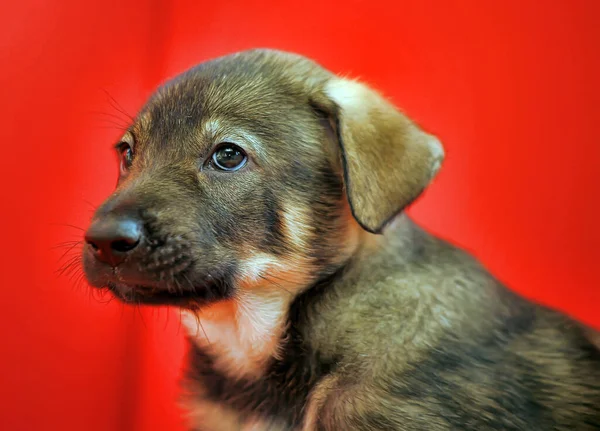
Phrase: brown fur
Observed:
(312, 302)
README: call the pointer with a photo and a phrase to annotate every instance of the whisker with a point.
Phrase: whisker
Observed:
(274, 284)
(91, 297)
(105, 294)
(69, 250)
(203, 331)
(121, 129)
(198, 320)
(167, 319)
(76, 273)
(74, 267)
(291, 272)
(90, 204)
(97, 295)
(117, 106)
(68, 225)
(65, 244)
(67, 256)
(189, 282)
(76, 279)
(138, 307)
(68, 266)
(122, 310)
(178, 286)
(174, 287)
(108, 114)
(81, 281)
(119, 126)
(179, 326)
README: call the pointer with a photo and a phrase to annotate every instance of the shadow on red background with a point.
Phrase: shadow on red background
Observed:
(511, 88)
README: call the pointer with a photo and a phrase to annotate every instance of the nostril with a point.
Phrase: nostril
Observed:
(112, 238)
(125, 244)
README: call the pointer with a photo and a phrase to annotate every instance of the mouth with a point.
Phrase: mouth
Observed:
(138, 294)
(187, 287)
(206, 290)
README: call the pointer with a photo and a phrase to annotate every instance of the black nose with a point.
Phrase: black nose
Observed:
(112, 238)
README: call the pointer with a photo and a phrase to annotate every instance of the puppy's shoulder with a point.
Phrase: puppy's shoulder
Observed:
(403, 293)
(427, 332)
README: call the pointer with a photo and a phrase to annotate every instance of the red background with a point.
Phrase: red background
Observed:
(510, 87)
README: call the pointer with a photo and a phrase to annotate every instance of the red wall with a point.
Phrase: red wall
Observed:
(510, 87)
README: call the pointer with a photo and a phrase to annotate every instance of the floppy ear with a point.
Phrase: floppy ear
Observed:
(387, 159)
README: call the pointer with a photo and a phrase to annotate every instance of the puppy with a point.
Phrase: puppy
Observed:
(263, 196)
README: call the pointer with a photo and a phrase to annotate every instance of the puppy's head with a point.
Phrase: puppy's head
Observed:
(258, 170)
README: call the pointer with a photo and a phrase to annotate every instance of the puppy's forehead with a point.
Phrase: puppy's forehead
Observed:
(249, 90)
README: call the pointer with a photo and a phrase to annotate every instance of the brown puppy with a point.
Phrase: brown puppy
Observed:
(263, 195)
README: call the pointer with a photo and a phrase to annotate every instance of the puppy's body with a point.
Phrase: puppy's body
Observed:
(414, 334)
(311, 304)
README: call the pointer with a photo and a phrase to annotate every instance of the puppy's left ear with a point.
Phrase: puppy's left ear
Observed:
(387, 159)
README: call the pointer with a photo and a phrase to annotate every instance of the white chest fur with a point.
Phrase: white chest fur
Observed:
(242, 334)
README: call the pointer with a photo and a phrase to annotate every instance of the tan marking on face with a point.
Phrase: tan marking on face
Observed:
(296, 223)
(347, 238)
(210, 126)
(265, 272)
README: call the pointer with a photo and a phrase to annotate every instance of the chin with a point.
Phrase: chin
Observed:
(161, 296)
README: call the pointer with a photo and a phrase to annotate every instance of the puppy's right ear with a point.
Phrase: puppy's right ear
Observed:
(387, 159)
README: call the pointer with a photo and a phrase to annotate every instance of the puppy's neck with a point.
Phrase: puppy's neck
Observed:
(241, 334)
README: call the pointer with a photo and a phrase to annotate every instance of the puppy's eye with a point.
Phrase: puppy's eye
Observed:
(126, 157)
(229, 157)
